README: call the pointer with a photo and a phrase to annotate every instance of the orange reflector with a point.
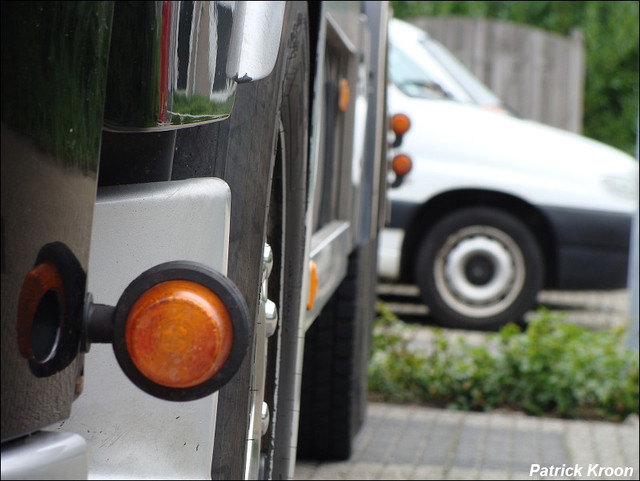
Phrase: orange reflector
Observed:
(400, 123)
(401, 164)
(179, 334)
(313, 285)
(344, 94)
(39, 283)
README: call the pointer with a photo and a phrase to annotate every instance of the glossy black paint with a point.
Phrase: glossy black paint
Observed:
(169, 65)
(54, 71)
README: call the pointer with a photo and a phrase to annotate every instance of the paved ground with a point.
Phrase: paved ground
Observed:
(401, 442)
(413, 442)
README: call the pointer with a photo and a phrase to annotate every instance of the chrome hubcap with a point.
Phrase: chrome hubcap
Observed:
(479, 271)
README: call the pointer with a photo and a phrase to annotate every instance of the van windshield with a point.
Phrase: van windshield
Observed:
(472, 85)
(412, 78)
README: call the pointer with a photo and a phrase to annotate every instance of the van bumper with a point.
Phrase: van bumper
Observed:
(592, 248)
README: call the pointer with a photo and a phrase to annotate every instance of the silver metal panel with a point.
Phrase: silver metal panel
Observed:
(330, 248)
(131, 434)
(138, 226)
(45, 455)
(178, 62)
(260, 39)
(172, 69)
(375, 192)
(341, 16)
(362, 167)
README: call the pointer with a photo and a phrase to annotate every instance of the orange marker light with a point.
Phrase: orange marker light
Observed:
(42, 291)
(400, 123)
(401, 165)
(313, 286)
(344, 95)
(179, 334)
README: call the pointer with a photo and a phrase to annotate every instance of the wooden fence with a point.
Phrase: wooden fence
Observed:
(539, 74)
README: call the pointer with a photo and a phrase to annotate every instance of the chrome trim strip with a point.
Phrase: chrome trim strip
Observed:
(260, 39)
(177, 64)
(330, 251)
(170, 65)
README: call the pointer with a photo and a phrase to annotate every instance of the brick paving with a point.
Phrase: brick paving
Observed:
(417, 442)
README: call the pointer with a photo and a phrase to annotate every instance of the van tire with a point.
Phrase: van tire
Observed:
(479, 268)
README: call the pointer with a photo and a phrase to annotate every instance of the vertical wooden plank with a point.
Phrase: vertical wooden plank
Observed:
(538, 74)
(576, 70)
(479, 61)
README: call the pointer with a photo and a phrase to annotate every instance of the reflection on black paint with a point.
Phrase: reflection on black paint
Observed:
(53, 74)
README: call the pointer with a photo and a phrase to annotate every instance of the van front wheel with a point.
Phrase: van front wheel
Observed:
(479, 268)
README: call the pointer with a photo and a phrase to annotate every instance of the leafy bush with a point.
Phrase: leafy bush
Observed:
(552, 368)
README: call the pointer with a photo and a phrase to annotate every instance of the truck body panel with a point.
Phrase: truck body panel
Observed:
(145, 173)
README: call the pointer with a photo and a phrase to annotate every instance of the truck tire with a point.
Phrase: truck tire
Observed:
(286, 234)
(266, 137)
(479, 268)
(337, 346)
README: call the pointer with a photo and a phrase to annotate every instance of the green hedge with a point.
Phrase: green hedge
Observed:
(551, 369)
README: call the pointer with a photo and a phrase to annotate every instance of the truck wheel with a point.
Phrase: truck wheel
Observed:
(276, 342)
(337, 345)
(285, 235)
(479, 268)
(261, 152)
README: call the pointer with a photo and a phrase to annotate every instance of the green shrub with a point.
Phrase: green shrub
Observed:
(552, 368)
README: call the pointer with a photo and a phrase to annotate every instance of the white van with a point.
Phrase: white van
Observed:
(496, 207)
